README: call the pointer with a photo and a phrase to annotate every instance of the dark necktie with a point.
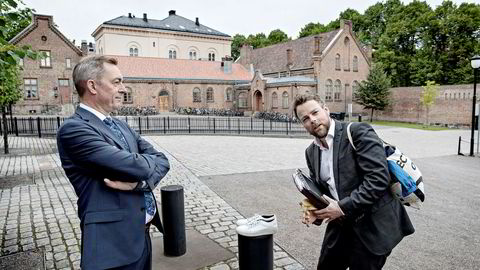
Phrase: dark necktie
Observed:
(150, 206)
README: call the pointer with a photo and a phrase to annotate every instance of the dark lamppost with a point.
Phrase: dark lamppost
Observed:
(475, 61)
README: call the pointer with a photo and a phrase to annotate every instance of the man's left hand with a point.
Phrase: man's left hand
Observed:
(331, 212)
(119, 185)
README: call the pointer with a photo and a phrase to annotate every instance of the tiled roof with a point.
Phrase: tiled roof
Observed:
(274, 58)
(171, 23)
(180, 69)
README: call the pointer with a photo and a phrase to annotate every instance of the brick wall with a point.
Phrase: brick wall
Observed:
(453, 105)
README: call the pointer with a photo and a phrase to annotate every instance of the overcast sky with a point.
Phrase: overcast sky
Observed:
(78, 19)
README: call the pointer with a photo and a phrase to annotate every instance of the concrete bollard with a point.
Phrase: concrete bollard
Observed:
(173, 216)
(255, 253)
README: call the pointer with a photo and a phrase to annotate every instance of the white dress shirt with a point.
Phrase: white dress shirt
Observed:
(326, 166)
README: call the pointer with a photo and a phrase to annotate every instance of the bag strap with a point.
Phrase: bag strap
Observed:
(350, 136)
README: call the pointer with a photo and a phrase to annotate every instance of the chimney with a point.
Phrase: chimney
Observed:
(317, 41)
(129, 15)
(197, 22)
(145, 17)
(83, 47)
(289, 58)
(346, 24)
(246, 54)
(227, 64)
(171, 12)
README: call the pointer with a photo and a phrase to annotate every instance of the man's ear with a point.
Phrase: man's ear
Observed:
(91, 87)
(327, 110)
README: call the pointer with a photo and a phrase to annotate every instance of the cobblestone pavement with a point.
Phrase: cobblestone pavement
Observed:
(43, 214)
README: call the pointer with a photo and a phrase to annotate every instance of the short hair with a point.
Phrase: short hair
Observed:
(90, 68)
(301, 99)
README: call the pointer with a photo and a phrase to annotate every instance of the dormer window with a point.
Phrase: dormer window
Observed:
(133, 51)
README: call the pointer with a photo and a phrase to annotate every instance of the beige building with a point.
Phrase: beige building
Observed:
(174, 37)
(329, 64)
(47, 83)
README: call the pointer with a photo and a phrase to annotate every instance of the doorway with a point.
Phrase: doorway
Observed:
(163, 99)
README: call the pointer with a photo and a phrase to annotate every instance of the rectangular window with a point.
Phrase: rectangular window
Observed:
(31, 88)
(46, 62)
(68, 63)
(63, 82)
(127, 97)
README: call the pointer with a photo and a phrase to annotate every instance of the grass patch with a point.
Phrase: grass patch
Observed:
(407, 125)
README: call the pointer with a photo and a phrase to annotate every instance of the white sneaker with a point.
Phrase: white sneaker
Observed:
(258, 227)
(254, 217)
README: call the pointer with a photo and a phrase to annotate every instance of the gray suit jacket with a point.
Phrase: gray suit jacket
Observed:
(361, 178)
(112, 221)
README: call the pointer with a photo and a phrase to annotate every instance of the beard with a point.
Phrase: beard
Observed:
(320, 131)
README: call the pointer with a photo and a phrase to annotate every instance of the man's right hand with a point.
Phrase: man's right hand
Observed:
(119, 184)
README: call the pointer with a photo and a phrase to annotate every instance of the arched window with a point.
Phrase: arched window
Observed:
(337, 61)
(463, 95)
(355, 63)
(197, 95)
(127, 96)
(454, 96)
(229, 94)
(355, 87)
(209, 94)
(274, 100)
(328, 90)
(242, 100)
(163, 93)
(133, 51)
(446, 96)
(172, 54)
(193, 55)
(346, 42)
(285, 100)
(211, 56)
(338, 90)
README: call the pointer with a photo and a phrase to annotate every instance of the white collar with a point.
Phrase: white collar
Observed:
(95, 112)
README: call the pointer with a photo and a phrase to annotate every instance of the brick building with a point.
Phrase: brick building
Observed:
(47, 83)
(329, 64)
(167, 84)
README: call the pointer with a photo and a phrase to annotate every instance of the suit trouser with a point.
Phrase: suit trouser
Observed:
(348, 252)
(145, 261)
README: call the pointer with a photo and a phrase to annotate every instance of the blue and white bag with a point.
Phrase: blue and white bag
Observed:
(406, 179)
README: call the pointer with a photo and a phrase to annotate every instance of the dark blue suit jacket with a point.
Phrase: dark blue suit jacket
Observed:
(361, 178)
(112, 221)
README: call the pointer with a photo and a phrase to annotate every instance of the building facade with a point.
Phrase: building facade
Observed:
(47, 83)
(174, 37)
(330, 64)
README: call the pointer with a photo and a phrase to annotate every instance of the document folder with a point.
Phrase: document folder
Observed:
(309, 189)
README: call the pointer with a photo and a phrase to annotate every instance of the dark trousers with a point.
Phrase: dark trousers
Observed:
(348, 252)
(145, 261)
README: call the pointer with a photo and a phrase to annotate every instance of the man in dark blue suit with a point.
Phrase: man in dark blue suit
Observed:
(113, 171)
(365, 221)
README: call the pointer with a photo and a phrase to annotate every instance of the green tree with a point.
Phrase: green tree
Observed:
(429, 96)
(312, 29)
(277, 36)
(257, 41)
(374, 93)
(11, 21)
(237, 43)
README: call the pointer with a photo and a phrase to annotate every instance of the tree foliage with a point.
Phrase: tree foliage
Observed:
(415, 42)
(258, 40)
(374, 93)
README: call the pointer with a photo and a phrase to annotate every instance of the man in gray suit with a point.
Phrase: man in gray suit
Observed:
(365, 221)
(113, 171)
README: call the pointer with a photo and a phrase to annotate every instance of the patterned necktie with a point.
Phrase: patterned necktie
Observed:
(150, 206)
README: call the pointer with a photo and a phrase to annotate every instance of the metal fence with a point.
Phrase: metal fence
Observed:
(151, 125)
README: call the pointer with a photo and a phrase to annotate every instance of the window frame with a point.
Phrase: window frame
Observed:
(355, 63)
(196, 95)
(35, 97)
(47, 61)
(328, 90)
(60, 80)
(338, 63)
(210, 95)
(337, 90)
(274, 100)
(127, 96)
(285, 98)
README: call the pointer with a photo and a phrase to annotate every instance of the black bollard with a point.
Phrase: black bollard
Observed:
(173, 215)
(255, 253)
(359, 118)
